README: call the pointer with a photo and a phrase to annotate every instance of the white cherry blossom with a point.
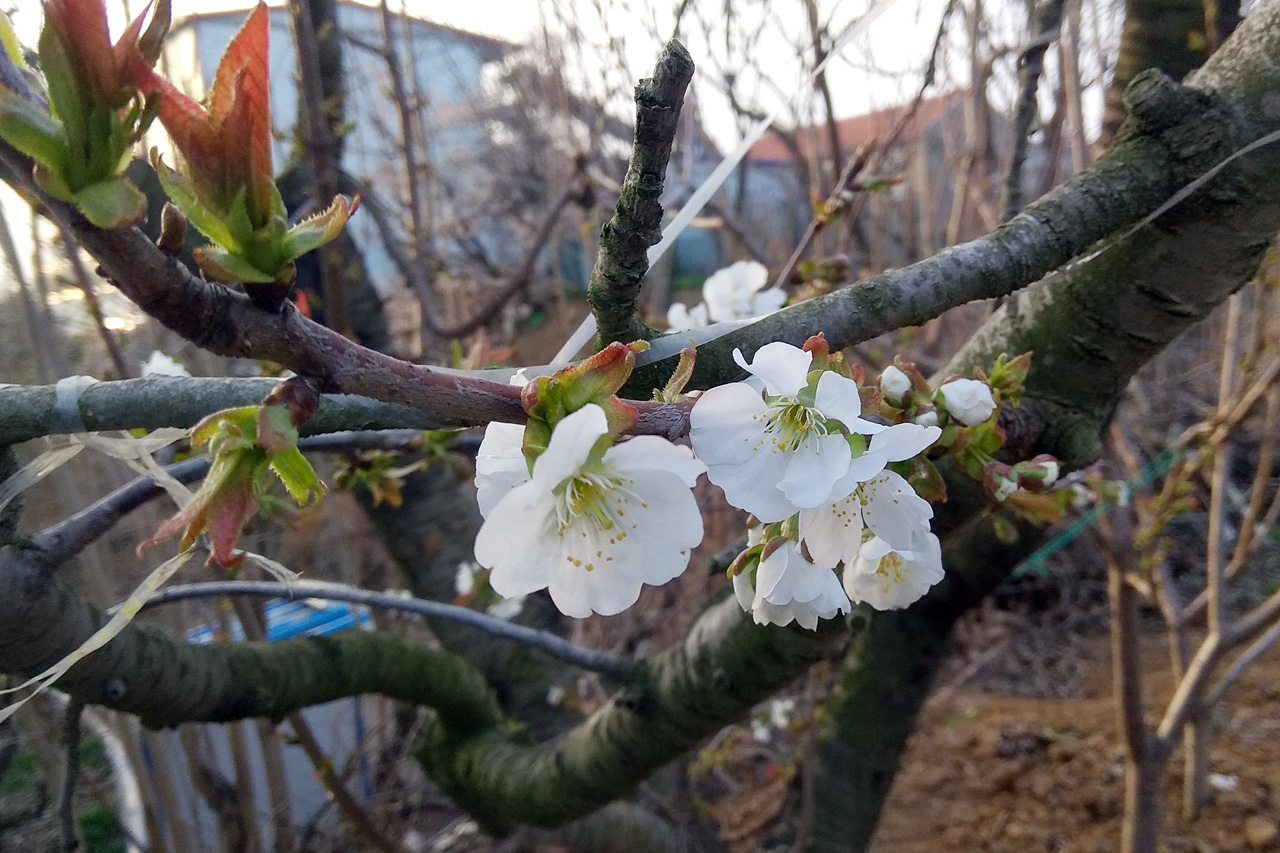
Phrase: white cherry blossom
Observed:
(894, 384)
(593, 528)
(500, 461)
(500, 464)
(927, 418)
(887, 579)
(160, 364)
(968, 400)
(682, 318)
(736, 293)
(788, 587)
(871, 496)
(776, 454)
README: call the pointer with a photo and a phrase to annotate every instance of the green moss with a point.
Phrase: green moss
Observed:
(93, 754)
(100, 828)
(22, 774)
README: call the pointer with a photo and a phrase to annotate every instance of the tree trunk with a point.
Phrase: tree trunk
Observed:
(1156, 34)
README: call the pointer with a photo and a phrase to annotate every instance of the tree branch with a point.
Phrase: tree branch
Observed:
(636, 225)
(61, 541)
(29, 411)
(1048, 16)
(724, 666)
(225, 322)
(614, 666)
(163, 681)
(1176, 136)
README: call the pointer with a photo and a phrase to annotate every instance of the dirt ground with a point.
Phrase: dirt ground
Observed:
(998, 773)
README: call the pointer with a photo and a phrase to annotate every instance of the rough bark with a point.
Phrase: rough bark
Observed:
(636, 225)
(1164, 277)
(165, 681)
(1156, 34)
(1090, 327)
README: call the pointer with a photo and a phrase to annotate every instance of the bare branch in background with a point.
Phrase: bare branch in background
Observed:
(1044, 31)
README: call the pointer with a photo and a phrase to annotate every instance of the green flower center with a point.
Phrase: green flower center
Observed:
(590, 496)
(789, 423)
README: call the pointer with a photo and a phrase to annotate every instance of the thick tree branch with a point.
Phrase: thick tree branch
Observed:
(28, 411)
(725, 665)
(636, 225)
(163, 681)
(1176, 136)
(1090, 328)
(558, 647)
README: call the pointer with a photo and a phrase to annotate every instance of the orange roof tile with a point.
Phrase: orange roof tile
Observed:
(856, 131)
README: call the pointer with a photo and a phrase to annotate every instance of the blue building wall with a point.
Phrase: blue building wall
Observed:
(446, 64)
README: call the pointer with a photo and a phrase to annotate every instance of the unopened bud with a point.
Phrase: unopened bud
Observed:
(894, 384)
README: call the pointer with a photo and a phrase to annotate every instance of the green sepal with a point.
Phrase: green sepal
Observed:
(315, 231)
(1004, 529)
(114, 203)
(32, 131)
(925, 479)
(298, 476)
(183, 194)
(241, 232)
(65, 102)
(275, 430)
(220, 264)
(9, 39)
(241, 417)
(537, 435)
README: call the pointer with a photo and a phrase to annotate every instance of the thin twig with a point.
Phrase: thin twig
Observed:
(325, 774)
(622, 261)
(1048, 16)
(85, 282)
(1246, 659)
(839, 201)
(840, 194)
(68, 839)
(589, 659)
(68, 537)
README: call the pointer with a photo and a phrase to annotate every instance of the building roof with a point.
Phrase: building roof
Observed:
(493, 48)
(856, 131)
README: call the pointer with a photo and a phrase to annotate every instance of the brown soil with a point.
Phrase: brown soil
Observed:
(1005, 773)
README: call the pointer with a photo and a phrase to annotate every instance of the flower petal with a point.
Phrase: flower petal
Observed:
(500, 464)
(656, 526)
(519, 543)
(743, 590)
(783, 367)
(726, 423)
(570, 445)
(813, 470)
(894, 511)
(832, 533)
(901, 442)
(651, 453)
(768, 301)
(838, 398)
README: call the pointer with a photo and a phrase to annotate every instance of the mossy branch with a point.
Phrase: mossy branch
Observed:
(164, 681)
(725, 665)
(636, 225)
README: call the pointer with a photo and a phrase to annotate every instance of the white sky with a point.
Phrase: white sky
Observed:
(898, 42)
(610, 44)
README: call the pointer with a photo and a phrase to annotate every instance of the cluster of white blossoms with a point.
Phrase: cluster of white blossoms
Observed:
(736, 292)
(597, 515)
